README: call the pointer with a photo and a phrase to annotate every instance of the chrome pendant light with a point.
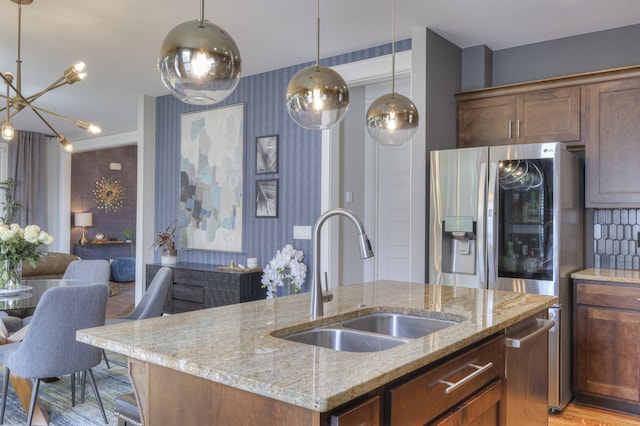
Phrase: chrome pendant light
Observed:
(392, 119)
(317, 97)
(16, 103)
(199, 62)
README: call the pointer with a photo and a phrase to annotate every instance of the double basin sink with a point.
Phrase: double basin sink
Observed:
(371, 332)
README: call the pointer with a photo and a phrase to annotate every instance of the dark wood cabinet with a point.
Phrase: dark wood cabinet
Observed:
(613, 149)
(484, 409)
(550, 115)
(104, 250)
(199, 286)
(607, 345)
(449, 388)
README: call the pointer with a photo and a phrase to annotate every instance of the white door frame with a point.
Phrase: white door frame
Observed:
(360, 73)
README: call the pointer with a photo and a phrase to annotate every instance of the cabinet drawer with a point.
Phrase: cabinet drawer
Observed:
(182, 306)
(412, 402)
(608, 295)
(186, 276)
(189, 293)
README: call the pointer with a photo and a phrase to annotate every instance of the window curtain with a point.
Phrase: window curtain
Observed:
(27, 165)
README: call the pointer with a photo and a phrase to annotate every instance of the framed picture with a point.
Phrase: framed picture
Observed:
(267, 154)
(211, 179)
(267, 198)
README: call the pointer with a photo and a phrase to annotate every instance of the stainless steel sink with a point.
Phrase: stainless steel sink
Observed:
(398, 325)
(345, 340)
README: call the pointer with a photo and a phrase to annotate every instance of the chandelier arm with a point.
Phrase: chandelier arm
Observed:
(45, 122)
(58, 83)
(37, 110)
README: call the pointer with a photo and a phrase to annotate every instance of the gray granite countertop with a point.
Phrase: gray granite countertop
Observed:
(234, 345)
(605, 274)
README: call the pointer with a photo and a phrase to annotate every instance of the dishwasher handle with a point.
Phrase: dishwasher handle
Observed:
(478, 371)
(544, 326)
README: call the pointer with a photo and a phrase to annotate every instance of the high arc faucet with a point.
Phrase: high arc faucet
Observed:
(316, 307)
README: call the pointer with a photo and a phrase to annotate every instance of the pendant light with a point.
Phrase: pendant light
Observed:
(317, 97)
(199, 62)
(392, 119)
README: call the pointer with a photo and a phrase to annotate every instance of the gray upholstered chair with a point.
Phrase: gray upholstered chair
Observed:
(95, 271)
(49, 348)
(152, 303)
(98, 271)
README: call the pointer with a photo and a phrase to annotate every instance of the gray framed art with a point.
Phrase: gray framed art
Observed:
(211, 179)
(267, 198)
(267, 154)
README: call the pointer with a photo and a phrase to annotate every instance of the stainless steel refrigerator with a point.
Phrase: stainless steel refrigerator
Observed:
(510, 218)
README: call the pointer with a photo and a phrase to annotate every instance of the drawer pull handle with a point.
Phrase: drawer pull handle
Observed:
(453, 386)
(544, 324)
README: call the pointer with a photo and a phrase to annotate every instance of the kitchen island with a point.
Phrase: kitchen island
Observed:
(226, 360)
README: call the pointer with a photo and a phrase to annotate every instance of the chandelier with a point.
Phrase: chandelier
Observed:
(17, 102)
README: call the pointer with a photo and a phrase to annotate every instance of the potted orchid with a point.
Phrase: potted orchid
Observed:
(17, 245)
(285, 270)
(165, 241)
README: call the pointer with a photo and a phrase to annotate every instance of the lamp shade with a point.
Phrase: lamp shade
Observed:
(83, 219)
(199, 63)
(392, 119)
(317, 98)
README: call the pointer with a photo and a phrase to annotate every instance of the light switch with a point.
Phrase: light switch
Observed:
(301, 232)
(348, 197)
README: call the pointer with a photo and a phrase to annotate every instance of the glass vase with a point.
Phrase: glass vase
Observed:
(10, 274)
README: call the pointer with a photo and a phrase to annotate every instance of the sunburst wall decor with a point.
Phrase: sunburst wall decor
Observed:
(109, 194)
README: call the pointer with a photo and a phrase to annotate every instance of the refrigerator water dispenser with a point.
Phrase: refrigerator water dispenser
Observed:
(458, 245)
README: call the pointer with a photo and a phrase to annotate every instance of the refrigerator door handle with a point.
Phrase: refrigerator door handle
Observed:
(481, 256)
(492, 215)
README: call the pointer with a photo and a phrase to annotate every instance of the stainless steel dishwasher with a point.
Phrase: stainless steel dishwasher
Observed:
(527, 371)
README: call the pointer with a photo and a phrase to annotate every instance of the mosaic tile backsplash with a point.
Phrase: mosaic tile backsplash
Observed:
(615, 238)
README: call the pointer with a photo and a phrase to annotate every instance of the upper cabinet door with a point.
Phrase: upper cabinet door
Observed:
(487, 121)
(551, 115)
(613, 145)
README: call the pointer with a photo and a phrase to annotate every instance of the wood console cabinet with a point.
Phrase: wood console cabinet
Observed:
(199, 286)
(551, 115)
(607, 345)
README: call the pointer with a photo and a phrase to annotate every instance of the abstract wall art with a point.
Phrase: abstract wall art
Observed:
(211, 179)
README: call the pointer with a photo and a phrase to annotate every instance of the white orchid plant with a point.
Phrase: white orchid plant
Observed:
(285, 268)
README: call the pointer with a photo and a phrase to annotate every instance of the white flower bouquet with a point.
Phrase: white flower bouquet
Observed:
(18, 244)
(285, 270)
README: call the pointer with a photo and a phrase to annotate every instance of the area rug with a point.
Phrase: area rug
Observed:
(56, 397)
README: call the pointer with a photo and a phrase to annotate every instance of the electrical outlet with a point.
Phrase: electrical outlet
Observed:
(301, 232)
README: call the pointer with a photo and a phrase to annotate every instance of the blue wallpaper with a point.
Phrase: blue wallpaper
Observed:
(299, 163)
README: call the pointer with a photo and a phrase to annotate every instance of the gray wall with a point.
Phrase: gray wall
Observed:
(352, 179)
(443, 70)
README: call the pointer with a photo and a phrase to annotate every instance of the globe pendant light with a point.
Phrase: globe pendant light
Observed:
(199, 62)
(392, 119)
(317, 97)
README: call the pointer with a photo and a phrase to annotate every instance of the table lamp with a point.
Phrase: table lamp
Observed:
(84, 220)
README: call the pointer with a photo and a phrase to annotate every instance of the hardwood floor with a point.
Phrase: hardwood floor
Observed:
(572, 415)
(575, 414)
(122, 303)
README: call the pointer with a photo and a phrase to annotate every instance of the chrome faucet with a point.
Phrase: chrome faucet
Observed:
(316, 307)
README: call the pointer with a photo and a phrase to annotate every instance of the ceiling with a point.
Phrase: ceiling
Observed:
(119, 40)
